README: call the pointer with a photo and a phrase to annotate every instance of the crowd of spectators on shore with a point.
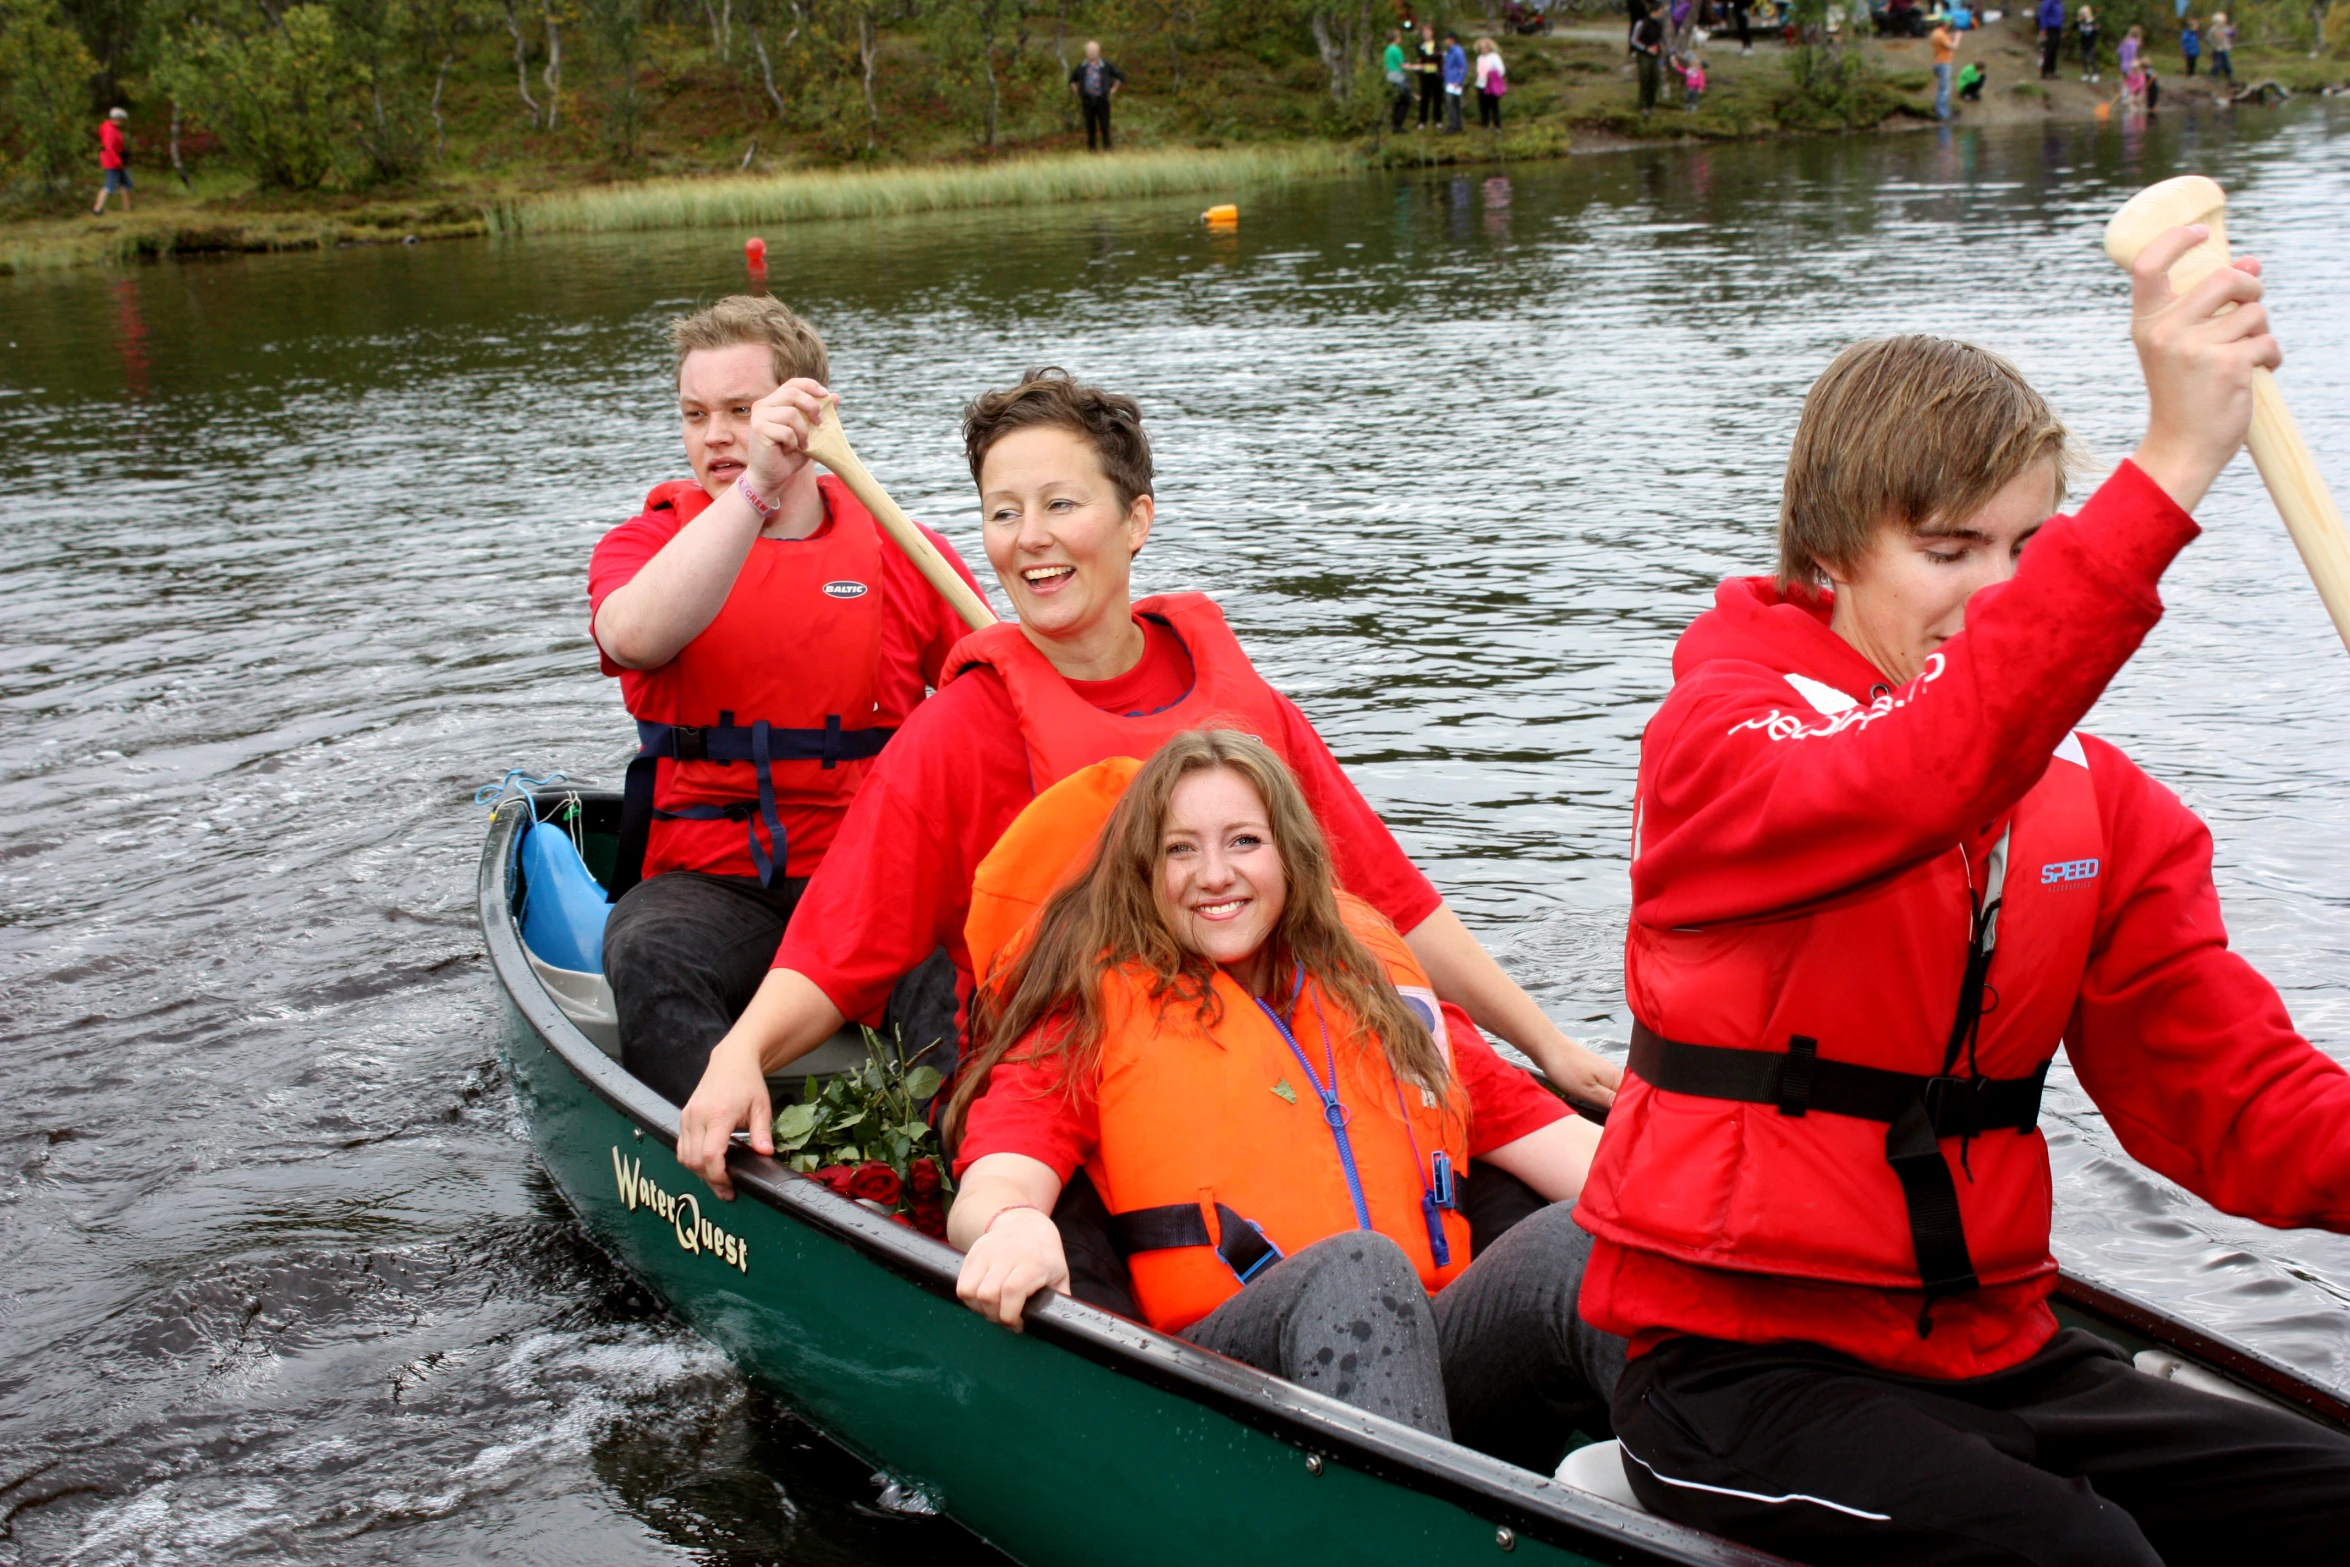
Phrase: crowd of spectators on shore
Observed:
(1666, 36)
(1443, 73)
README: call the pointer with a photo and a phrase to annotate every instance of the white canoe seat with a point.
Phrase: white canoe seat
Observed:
(1599, 1469)
(585, 998)
(2171, 1368)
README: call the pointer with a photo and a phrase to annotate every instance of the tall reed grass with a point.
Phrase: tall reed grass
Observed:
(869, 193)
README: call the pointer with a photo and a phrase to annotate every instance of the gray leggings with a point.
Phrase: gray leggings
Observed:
(1499, 1360)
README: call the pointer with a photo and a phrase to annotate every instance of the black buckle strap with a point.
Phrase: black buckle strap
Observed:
(732, 742)
(1797, 1081)
(727, 741)
(1243, 1246)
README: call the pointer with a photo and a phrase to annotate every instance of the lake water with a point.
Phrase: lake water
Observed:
(294, 559)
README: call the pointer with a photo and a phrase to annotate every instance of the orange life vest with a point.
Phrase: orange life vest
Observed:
(1223, 1150)
(1219, 1152)
(774, 701)
(1065, 732)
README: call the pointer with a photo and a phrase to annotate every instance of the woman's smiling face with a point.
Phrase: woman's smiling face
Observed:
(1222, 885)
(1061, 539)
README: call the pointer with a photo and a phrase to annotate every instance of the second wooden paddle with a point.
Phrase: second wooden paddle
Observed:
(829, 446)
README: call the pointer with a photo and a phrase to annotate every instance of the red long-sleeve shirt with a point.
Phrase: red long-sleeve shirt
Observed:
(2183, 1045)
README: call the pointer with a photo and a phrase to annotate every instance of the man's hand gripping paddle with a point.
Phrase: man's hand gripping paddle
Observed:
(830, 447)
(2283, 458)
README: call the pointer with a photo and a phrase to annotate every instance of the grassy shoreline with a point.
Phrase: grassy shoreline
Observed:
(1580, 100)
(833, 194)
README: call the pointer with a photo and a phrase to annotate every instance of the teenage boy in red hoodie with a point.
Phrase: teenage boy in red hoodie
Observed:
(1877, 878)
(768, 640)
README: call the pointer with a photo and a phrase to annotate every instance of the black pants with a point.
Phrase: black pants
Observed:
(1432, 98)
(1400, 107)
(1745, 30)
(2073, 1459)
(1097, 114)
(2052, 40)
(1651, 77)
(1489, 109)
(686, 952)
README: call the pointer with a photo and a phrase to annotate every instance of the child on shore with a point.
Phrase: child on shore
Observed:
(2222, 39)
(2190, 43)
(1692, 73)
(2133, 76)
(2085, 28)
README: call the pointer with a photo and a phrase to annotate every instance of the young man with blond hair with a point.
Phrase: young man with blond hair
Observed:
(1878, 877)
(768, 640)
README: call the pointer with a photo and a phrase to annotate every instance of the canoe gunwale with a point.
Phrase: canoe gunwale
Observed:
(1532, 1504)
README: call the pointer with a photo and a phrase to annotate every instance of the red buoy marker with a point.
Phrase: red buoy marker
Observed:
(755, 258)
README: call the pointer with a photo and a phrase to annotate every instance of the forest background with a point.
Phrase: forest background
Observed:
(276, 103)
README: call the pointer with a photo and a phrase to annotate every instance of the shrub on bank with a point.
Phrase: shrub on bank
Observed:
(45, 134)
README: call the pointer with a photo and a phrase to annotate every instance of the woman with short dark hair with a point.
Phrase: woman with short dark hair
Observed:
(1063, 471)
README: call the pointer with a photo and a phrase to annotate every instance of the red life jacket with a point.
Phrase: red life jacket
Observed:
(1065, 732)
(1745, 1167)
(774, 701)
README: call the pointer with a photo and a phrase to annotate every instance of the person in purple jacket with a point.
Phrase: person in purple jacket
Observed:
(2050, 20)
(1456, 75)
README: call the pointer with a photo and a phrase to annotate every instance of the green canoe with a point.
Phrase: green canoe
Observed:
(1089, 1438)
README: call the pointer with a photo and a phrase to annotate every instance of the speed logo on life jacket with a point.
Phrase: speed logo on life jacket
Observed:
(2057, 871)
(844, 590)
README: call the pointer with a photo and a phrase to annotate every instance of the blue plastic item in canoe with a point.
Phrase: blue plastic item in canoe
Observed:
(563, 907)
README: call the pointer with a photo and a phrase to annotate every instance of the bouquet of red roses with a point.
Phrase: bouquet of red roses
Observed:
(862, 1133)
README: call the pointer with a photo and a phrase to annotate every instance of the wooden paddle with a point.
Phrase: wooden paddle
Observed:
(830, 447)
(2283, 458)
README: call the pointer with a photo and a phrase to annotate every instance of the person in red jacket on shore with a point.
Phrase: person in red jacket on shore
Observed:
(114, 160)
(1878, 876)
(1087, 673)
(769, 639)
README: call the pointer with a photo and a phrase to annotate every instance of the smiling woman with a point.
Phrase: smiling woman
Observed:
(1063, 470)
(1250, 1068)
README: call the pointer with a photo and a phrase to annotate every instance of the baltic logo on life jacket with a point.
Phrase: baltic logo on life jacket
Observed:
(2067, 870)
(844, 590)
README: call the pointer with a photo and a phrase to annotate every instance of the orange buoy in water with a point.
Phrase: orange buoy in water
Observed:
(2105, 111)
(1227, 213)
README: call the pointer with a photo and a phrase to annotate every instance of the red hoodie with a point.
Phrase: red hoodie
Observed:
(1742, 816)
